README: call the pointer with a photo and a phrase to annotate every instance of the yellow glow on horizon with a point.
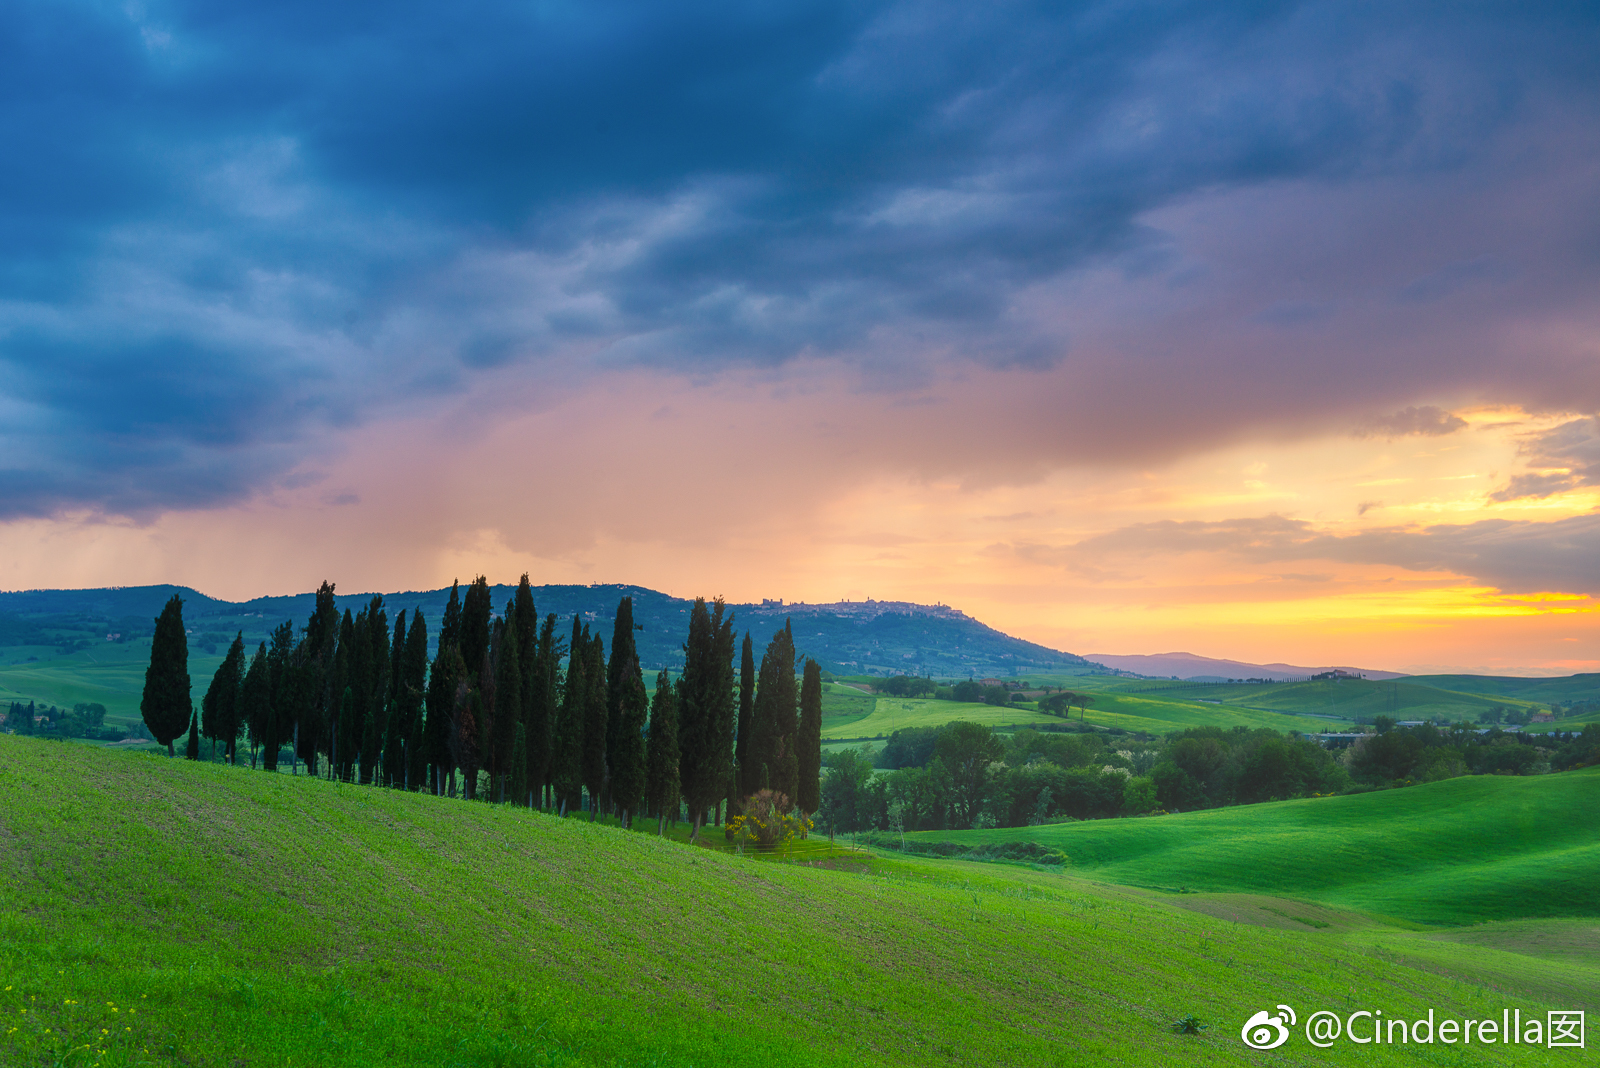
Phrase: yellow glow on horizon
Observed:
(1055, 557)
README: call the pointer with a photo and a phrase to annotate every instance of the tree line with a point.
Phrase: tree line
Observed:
(964, 775)
(511, 709)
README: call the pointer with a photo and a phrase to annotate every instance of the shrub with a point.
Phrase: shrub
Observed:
(768, 820)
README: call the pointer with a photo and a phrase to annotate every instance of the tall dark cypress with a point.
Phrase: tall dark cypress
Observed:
(448, 672)
(450, 625)
(396, 726)
(741, 744)
(355, 666)
(566, 743)
(220, 706)
(527, 617)
(628, 705)
(808, 741)
(508, 707)
(282, 684)
(165, 705)
(773, 719)
(706, 710)
(413, 687)
(192, 750)
(594, 724)
(255, 699)
(661, 753)
(338, 745)
(541, 701)
(374, 723)
(476, 609)
(466, 736)
(321, 648)
(344, 727)
(518, 793)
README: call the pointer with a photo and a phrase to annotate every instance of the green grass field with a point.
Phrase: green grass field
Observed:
(1464, 850)
(1341, 700)
(112, 674)
(890, 714)
(163, 912)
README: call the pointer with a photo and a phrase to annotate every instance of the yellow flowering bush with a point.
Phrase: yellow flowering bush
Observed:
(769, 820)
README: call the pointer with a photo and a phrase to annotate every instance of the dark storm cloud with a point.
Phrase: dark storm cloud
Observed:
(1511, 555)
(229, 230)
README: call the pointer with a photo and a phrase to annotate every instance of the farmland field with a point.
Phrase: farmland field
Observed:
(1465, 850)
(1155, 714)
(171, 912)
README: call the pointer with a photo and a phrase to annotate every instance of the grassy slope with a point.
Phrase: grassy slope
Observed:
(1464, 850)
(221, 915)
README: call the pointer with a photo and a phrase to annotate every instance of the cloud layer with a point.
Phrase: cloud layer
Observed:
(1513, 556)
(245, 231)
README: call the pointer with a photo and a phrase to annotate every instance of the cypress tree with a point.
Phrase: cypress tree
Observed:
(448, 671)
(361, 682)
(628, 705)
(507, 725)
(192, 750)
(541, 701)
(408, 663)
(256, 699)
(747, 697)
(220, 705)
(338, 742)
(413, 687)
(282, 686)
(374, 724)
(321, 647)
(808, 747)
(343, 728)
(527, 617)
(661, 754)
(165, 705)
(476, 608)
(566, 743)
(520, 794)
(594, 724)
(466, 737)
(450, 626)
(773, 718)
(395, 728)
(706, 710)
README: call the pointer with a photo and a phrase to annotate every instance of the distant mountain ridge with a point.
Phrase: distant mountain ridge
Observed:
(1190, 666)
(846, 637)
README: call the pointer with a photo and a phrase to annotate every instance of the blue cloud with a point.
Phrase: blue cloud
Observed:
(233, 228)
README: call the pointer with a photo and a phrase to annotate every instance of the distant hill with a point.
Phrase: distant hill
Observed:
(847, 637)
(1205, 668)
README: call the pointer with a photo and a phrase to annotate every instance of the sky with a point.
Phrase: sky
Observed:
(1267, 331)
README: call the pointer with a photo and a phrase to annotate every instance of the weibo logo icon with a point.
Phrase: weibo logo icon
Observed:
(1266, 1030)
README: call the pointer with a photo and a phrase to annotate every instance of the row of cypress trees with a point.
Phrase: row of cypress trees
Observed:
(542, 718)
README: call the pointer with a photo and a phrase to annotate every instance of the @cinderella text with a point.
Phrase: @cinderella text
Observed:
(1271, 1028)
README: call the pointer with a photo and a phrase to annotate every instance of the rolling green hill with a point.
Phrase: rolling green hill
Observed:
(1344, 699)
(1154, 713)
(163, 912)
(1541, 691)
(1464, 850)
